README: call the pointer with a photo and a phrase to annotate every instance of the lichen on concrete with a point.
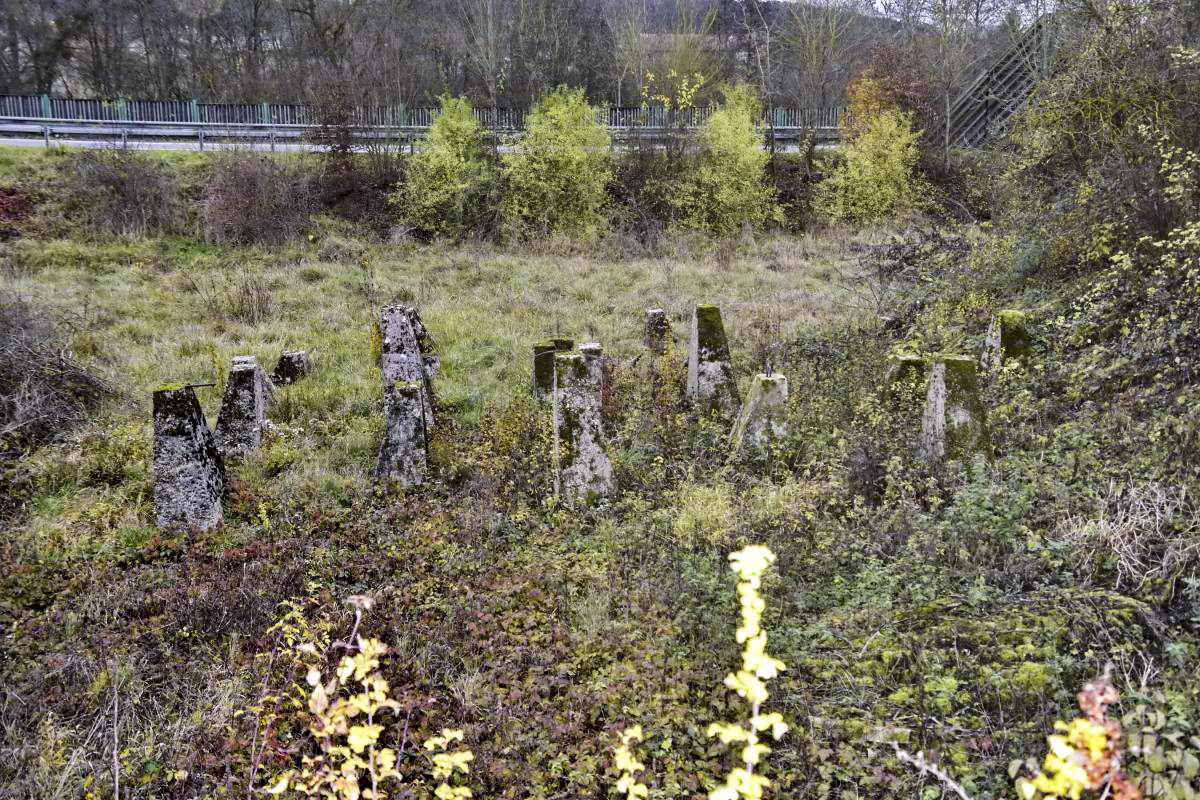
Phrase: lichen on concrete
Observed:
(189, 475)
(656, 333)
(954, 422)
(593, 359)
(243, 415)
(583, 471)
(1007, 339)
(404, 359)
(763, 418)
(711, 385)
(404, 451)
(543, 365)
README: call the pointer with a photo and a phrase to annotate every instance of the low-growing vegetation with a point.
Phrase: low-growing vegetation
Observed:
(932, 614)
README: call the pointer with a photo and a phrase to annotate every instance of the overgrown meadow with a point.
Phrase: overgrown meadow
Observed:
(951, 610)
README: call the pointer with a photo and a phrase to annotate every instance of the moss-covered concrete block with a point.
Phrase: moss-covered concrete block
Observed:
(593, 359)
(582, 468)
(543, 365)
(763, 418)
(906, 368)
(189, 475)
(711, 385)
(954, 422)
(1007, 339)
(404, 451)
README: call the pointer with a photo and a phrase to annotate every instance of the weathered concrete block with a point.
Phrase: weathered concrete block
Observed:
(657, 333)
(291, 367)
(403, 454)
(763, 418)
(1007, 339)
(189, 476)
(425, 345)
(953, 424)
(710, 382)
(593, 359)
(243, 415)
(267, 384)
(582, 468)
(543, 365)
(404, 361)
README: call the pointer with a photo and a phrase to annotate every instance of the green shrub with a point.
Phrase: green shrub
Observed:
(727, 187)
(558, 177)
(878, 177)
(448, 179)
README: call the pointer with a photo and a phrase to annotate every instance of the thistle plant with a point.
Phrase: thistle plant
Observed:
(750, 682)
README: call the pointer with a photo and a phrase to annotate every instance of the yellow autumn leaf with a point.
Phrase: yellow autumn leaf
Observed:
(362, 735)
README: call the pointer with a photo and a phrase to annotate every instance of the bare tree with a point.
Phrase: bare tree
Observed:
(487, 25)
(824, 42)
(626, 21)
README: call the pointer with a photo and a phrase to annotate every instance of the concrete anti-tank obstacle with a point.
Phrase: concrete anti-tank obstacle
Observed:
(582, 470)
(404, 452)
(543, 365)
(1007, 339)
(763, 418)
(291, 367)
(408, 355)
(189, 476)
(593, 359)
(954, 423)
(711, 385)
(656, 331)
(243, 415)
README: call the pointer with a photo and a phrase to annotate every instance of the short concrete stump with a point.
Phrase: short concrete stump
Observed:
(656, 331)
(763, 418)
(582, 468)
(710, 383)
(291, 367)
(243, 415)
(189, 476)
(403, 454)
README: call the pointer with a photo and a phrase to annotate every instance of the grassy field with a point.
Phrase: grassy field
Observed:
(152, 311)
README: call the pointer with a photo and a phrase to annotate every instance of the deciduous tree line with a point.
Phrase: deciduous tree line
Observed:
(497, 52)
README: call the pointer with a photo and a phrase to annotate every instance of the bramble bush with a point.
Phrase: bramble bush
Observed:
(727, 188)
(448, 180)
(557, 178)
(878, 177)
(122, 192)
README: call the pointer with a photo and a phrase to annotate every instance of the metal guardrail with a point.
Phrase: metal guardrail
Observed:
(123, 132)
